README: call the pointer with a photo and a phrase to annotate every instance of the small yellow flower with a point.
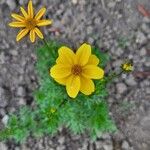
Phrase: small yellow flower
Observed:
(29, 22)
(76, 70)
(127, 67)
(53, 110)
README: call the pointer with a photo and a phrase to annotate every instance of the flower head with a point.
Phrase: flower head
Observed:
(53, 110)
(29, 23)
(76, 70)
(127, 67)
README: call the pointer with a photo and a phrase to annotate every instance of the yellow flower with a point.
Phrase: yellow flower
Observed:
(29, 22)
(53, 110)
(76, 70)
(127, 67)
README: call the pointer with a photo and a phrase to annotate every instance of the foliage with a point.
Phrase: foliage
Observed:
(54, 108)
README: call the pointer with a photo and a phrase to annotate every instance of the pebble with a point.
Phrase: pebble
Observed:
(143, 52)
(3, 98)
(60, 147)
(111, 4)
(130, 80)
(20, 91)
(146, 19)
(2, 58)
(89, 30)
(14, 52)
(145, 28)
(3, 146)
(90, 40)
(11, 4)
(2, 1)
(121, 88)
(108, 147)
(5, 119)
(125, 145)
(141, 38)
(74, 1)
(61, 140)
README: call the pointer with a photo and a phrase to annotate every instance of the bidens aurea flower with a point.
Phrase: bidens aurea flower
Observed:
(29, 22)
(76, 70)
(127, 67)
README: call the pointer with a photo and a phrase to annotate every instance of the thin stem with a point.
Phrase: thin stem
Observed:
(45, 42)
(113, 76)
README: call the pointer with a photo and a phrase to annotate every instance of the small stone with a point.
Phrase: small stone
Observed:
(108, 147)
(97, 21)
(3, 146)
(89, 30)
(121, 88)
(61, 140)
(90, 40)
(118, 0)
(3, 98)
(14, 52)
(143, 52)
(60, 148)
(21, 101)
(5, 119)
(2, 2)
(106, 136)
(98, 144)
(74, 1)
(141, 38)
(125, 145)
(130, 81)
(2, 58)
(20, 91)
(11, 4)
(119, 16)
(147, 64)
(145, 28)
(119, 52)
(2, 112)
(23, 147)
(146, 20)
(111, 4)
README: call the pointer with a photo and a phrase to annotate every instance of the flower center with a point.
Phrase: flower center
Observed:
(76, 70)
(30, 24)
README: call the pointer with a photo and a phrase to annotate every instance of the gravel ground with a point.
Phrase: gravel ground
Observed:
(115, 26)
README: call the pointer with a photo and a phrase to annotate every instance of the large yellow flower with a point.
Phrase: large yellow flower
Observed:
(29, 22)
(76, 70)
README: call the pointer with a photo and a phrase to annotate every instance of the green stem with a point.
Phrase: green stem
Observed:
(45, 42)
(113, 76)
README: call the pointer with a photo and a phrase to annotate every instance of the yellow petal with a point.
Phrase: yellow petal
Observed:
(83, 54)
(60, 71)
(44, 22)
(17, 17)
(93, 60)
(73, 86)
(17, 24)
(40, 13)
(61, 80)
(87, 86)
(24, 12)
(30, 9)
(93, 72)
(32, 36)
(22, 33)
(66, 56)
(39, 33)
